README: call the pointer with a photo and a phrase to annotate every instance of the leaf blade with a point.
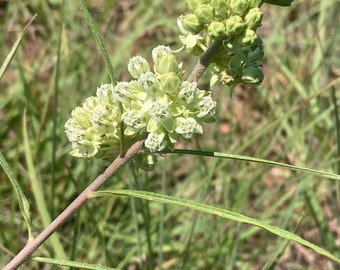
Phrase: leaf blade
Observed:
(209, 209)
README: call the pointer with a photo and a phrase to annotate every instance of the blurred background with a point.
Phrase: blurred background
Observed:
(292, 118)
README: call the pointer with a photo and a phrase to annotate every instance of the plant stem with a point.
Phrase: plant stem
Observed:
(204, 61)
(33, 244)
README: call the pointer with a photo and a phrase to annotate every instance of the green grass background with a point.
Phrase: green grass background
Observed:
(292, 118)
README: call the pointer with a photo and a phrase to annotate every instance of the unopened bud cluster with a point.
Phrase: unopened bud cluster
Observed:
(233, 24)
(157, 105)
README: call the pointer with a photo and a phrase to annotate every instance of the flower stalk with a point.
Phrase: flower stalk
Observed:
(33, 244)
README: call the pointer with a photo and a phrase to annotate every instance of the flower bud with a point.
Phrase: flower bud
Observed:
(252, 76)
(236, 62)
(170, 82)
(138, 65)
(253, 18)
(216, 30)
(167, 63)
(249, 37)
(192, 4)
(235, 25)
(239, 7)
(158, 52)
(191, 23)
(220, 6)
(255, 3)
(256, 54)
(204, 13)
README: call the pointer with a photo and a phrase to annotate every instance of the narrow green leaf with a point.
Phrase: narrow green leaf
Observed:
(256, 160)
(74, 264)
(337, 126)
(99, 40)
(38, 192)
(14, 48)
(320, 219)
(22, 200)
(205, 208)
(271, 263)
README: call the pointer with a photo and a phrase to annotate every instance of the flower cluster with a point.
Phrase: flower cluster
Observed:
(233, 24)
(157, 105)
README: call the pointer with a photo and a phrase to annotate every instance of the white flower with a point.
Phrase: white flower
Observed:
(138, 65)
(187, 127)
(206, 106)
(154, 142)
(160, 51)
(188, 91)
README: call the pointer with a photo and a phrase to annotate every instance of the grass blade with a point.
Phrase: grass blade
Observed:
(320, 219)
(209, 209)
(39, 193)
(14, 48)
(22, 200)
(73, 264)
(257, 160)
(99, 40)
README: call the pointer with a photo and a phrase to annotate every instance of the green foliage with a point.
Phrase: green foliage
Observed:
(205, 208)
(291, 118)
(232, 25)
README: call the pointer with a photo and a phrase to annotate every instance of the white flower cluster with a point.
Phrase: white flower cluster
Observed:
(155, 104)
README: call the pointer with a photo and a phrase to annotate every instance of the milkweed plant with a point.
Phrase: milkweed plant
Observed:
(158, 104)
